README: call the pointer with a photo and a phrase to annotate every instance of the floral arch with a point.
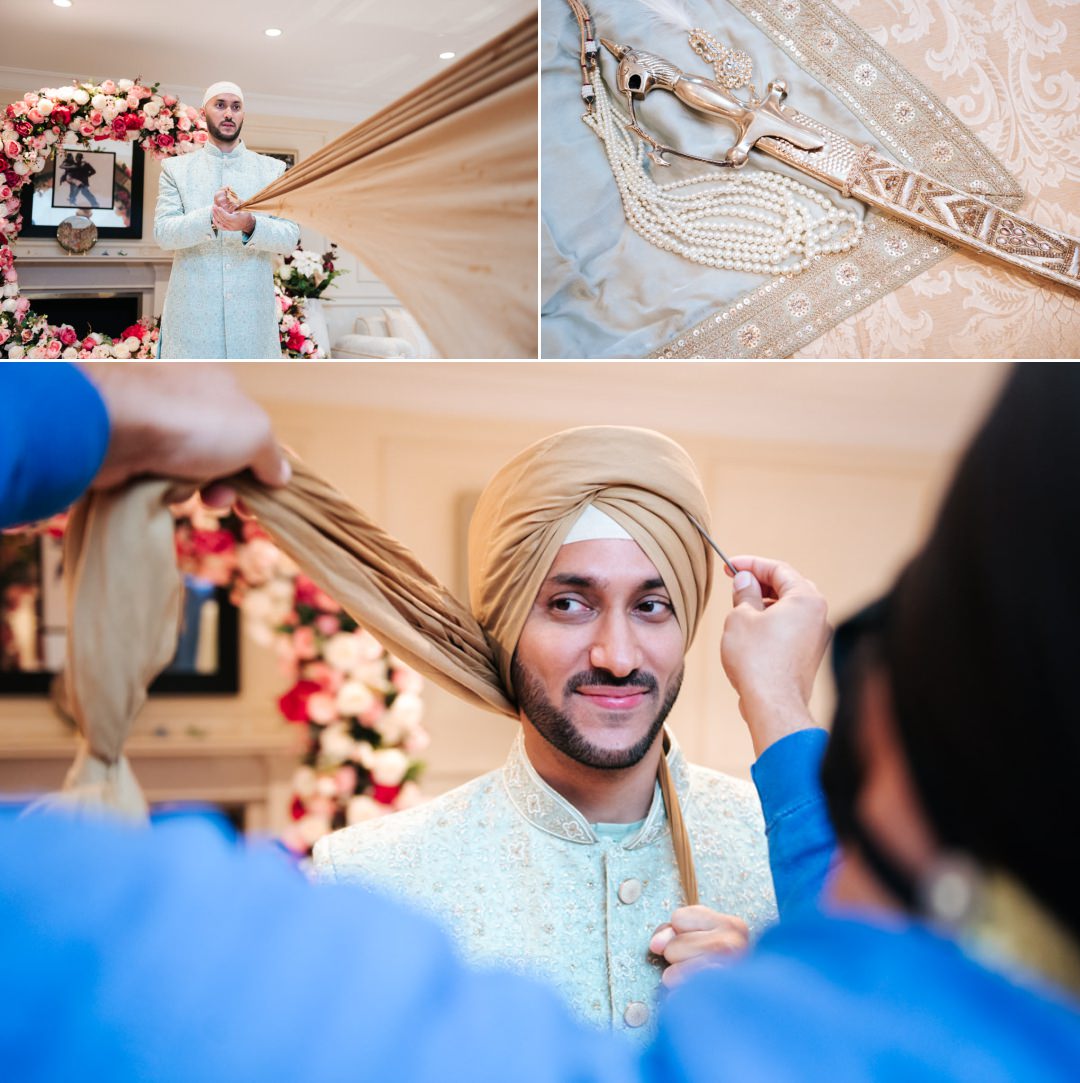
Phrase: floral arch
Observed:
(80, 115)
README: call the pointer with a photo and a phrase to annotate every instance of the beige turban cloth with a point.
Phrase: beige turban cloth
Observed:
(645, 482)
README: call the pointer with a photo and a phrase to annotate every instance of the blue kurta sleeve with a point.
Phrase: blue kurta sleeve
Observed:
(273, 234)
(801, 838)
(173, 226)
(169, 954)
(54, 432)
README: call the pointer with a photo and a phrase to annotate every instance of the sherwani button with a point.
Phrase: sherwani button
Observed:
(636, 1014)
(630, 891)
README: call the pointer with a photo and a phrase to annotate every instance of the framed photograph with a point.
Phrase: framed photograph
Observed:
(103, 183)
(33, 626)
(289, 157)
(84, 179)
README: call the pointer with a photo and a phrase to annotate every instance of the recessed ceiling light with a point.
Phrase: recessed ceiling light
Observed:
(273, 32)
(447, 56)
(62, 3)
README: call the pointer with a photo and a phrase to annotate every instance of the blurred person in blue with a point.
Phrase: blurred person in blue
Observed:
(944, 948)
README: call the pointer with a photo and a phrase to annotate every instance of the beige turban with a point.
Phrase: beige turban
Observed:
(643, 481)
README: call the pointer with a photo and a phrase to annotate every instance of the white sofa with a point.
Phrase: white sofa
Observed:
(393, 333)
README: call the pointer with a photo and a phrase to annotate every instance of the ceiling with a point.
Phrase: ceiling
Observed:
(339, 59)
(929, 406)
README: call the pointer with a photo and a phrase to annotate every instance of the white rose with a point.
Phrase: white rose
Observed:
(39, 165)
(363, 808)
(10, 304)
(370, 647)
(124, 85)
(407, 709)
(98, 102)
(69, 352)
(35, 353)
(44, 106)
(80, 96)
(20, 167)
(410, 796)
(16, 352)
(258, 609)
(152, 107)
(255, 561)
(342, 651)
(388, 766)
(362, 753)
(132, 343)
(354, 698)
(303, 782)
(335, 742)
(50, 137)
(326, 786)
(286, 272)
(311, 828)
(119, 349)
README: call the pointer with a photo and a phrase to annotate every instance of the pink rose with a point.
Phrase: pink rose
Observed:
(11, 275)
(34, 116)
(303, 642)
(346, 778)
(201, 137)
(169, 100)
(108, 87)
(132, 101)
(86, 129)
(5, 334)
(322, 708)
(53, 349)
(328, 678)
(327, 625)
(96, 118)
(68, 336)
(165, 141)
(12, 149)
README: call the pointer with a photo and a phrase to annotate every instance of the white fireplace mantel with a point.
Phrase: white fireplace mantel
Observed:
(111, 267)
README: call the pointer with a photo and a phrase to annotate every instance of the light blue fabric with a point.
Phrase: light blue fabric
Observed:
(221, 301)
(520, 878)
(606, 292)
(167, 955)
(54, 432)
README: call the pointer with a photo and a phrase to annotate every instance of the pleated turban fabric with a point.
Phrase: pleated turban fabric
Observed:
(645, 482)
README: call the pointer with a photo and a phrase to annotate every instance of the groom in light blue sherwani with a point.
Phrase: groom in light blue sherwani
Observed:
(221, 301)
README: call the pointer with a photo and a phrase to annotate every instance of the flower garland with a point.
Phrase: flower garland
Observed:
(361, 707)
(78, 115)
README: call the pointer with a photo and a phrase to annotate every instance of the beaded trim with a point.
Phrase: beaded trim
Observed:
(782, 316)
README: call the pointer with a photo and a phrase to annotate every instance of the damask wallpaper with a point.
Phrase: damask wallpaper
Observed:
(1010, 69)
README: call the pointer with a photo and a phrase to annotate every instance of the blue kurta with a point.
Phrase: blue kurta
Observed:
(221, 301)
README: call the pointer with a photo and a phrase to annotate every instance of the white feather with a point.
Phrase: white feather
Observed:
(670, 13)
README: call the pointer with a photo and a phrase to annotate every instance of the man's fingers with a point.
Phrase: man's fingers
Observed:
(661, 938)
(679, 972)
(270, 465)
(713, 942)
(692, 919)
(746, 590)
(774, 576)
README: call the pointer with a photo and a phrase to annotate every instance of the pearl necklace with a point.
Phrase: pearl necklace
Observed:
(758, 223)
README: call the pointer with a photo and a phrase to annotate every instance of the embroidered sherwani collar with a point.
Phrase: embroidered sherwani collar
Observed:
(549, 811)
(216, 152)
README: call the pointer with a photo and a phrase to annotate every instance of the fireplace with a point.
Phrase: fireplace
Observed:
(106, 312)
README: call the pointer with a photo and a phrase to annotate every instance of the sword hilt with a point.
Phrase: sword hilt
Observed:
(640, 72)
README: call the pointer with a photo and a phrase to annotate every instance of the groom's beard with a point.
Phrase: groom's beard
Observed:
(229, 135)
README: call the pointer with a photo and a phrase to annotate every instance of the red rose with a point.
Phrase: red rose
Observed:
(297, 810)
(293, 705)
(119, 127)
(68, 336)
(10, 110)
(305, 591)
(61, 114)
(136, 330)
(165, 141)
(13, 178)
(385, 794)
(89, 343)
(213, 541)
(24, 128)
(133, 120)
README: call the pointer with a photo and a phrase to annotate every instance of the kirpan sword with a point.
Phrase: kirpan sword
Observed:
(860, 171)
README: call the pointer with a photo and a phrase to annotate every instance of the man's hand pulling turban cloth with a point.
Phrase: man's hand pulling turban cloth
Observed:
(642, 480)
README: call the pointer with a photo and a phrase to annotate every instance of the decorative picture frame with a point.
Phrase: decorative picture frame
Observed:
(289, 157)
(45, 205)
(33, 627)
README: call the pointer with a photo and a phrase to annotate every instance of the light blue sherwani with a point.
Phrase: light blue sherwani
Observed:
(221, 299)
(521, 878)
